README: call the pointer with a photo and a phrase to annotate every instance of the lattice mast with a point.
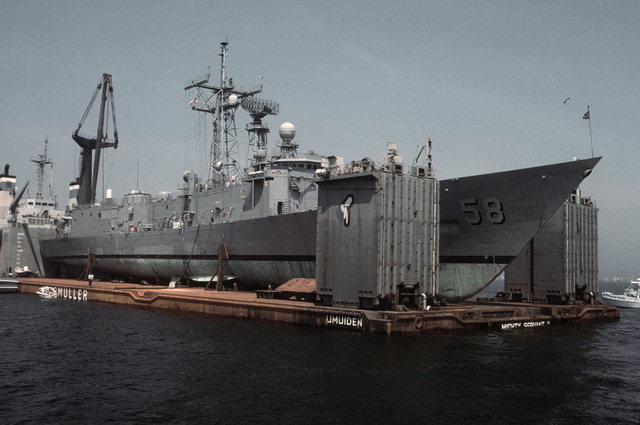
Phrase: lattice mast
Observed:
(41, 160)
(221, 101)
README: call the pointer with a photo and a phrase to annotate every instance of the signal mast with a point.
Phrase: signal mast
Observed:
(222, 101)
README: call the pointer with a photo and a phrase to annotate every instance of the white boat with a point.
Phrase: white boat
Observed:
(47, 292)
(23, 271)
(630, 298)
(8, 284)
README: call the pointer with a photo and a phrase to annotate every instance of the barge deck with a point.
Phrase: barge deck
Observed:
(473, 314)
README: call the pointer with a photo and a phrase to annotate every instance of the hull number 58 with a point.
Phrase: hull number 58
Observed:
(489, 210)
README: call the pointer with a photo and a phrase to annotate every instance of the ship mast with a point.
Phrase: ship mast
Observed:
(221, 101)
(41, 161)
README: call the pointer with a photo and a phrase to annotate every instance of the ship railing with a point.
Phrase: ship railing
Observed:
(204, 82)
(354, 167)
(195, 82)
(249, 92)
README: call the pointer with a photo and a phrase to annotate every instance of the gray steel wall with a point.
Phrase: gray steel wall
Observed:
(391, 237)
(562, 254)
(581, 231)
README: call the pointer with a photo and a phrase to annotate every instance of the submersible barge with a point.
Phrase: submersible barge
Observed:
(470, 315)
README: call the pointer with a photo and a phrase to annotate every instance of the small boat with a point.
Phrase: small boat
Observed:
(47, 292)
(23, 271)
(630, 298)
(8, 284)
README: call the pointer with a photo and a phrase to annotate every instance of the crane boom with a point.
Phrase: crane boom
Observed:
(89, 167)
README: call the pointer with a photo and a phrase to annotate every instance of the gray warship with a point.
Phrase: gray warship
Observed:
(264, 214)
(25, 220)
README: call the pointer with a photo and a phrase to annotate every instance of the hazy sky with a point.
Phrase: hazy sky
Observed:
(484, 79)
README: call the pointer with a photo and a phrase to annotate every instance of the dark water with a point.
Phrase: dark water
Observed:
(68, 362)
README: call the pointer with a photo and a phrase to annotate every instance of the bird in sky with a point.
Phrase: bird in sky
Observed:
(566, 100)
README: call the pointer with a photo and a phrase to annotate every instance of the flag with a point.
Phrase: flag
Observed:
(194, 100)
(586, 116)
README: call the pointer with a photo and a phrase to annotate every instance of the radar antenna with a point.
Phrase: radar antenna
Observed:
(258, 109)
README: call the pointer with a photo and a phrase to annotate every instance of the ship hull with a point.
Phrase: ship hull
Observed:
(261, 252)
(20, 246)
(487, 220)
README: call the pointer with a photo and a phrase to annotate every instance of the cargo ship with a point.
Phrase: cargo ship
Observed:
(265, 214)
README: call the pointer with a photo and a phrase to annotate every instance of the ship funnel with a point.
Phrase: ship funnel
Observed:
(74, 187)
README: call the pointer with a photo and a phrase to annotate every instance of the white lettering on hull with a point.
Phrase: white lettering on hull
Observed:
(76, 294)
(533, 324)
(346, 321)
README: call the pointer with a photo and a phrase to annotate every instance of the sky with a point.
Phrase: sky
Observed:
(486, 80)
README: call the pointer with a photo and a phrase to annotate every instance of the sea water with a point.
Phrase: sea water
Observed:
(65, 361)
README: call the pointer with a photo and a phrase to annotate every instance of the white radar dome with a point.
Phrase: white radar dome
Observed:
(233, 99)
(287, 131)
